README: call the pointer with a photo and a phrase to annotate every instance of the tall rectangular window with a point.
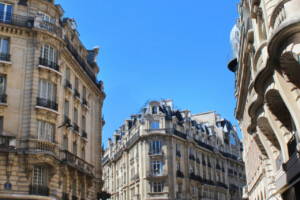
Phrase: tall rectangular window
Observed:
(1, 124)
(68, 74)
(66, 108)
(74, 148)
(154, 125)
(157, 187)
(65, 143)
(6, 11)
(155, 147)
(40, 176)
(75, 115)
(156, 167)
(83, 92)
(83, 123)
(4, 47)
(76, 83)
(45, 131)
(49, 53)
(47, 90)
(2, 84)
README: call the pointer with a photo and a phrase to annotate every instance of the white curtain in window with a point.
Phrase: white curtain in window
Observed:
(45, 131)
(47, 90)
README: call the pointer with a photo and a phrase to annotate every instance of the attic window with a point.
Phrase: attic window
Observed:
(154, 109)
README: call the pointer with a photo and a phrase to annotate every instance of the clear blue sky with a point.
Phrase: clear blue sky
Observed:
(154, 49)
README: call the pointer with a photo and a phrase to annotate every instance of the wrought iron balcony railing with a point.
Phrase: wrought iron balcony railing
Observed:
(65, 196)
(75, 127)
(47, 103)
(179, 174)
(7, 141)
(39, 190)
(76, 93)
(3, 98)
(76, 162)
(84, 102)
(292, 146)
(5, 57)
(50, 27)
(50, 64)
(17, 20)
(68, 84)
(84, 134)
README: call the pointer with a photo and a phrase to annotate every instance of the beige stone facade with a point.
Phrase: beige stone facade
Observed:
(163, 153)
(267, 90)
(51, 106)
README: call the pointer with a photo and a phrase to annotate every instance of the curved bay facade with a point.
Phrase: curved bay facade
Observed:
(267, 91)
(50, 105)
(163, 153)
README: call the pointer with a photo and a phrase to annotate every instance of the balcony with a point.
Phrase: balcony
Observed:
(17, 20)
(74, 198)
(156, 174)
(179, 174)
(47, 26)
(84, 102)
(39, 146)
(76, 93)
(68, 84)
(3, 98)
(39, 190)
(192, 157)
(75, 127)
(223, 185)
(49, 64)
(84, 134)
(195, 177)
(67, 121)
(7, 141)
(180, 134)
(5, 57)
(76, 162)
(65, 196)
(46, 103)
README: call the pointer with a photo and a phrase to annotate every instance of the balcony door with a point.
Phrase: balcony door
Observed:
(6, 11)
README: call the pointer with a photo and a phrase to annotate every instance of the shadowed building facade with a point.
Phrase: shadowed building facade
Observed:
(163, 153)
(50, 105)
(267, 91)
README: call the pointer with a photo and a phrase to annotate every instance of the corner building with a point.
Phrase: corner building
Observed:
(163, 153)
(267, 91)
(50, 106)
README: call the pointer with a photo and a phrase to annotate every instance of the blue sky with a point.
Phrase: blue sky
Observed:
(159, 49)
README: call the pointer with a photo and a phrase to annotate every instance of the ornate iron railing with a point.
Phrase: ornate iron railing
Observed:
(50, 64)
(47, 103)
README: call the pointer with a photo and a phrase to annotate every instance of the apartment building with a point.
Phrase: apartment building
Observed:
(164, 153)
(266, 67)
(50, 105)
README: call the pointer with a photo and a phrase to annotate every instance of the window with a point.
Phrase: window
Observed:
(74, 187)
(154, 109)
(83, 153)
(68, 74)
(156, 167)
(45, 131)
(1, 124)
(75, 115)
(66, 109)
(49, 54)
(47, 90)
(154, 125)
(157, 187)
(2, 84)
(76, 83)
(40, 176)
(6, 11)
(74, 148)
(65, 143)
(155, 147)
(4, 48)
(83, 123)
(47, 18)
(83, 92)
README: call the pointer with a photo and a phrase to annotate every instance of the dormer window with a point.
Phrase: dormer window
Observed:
(154, 110)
